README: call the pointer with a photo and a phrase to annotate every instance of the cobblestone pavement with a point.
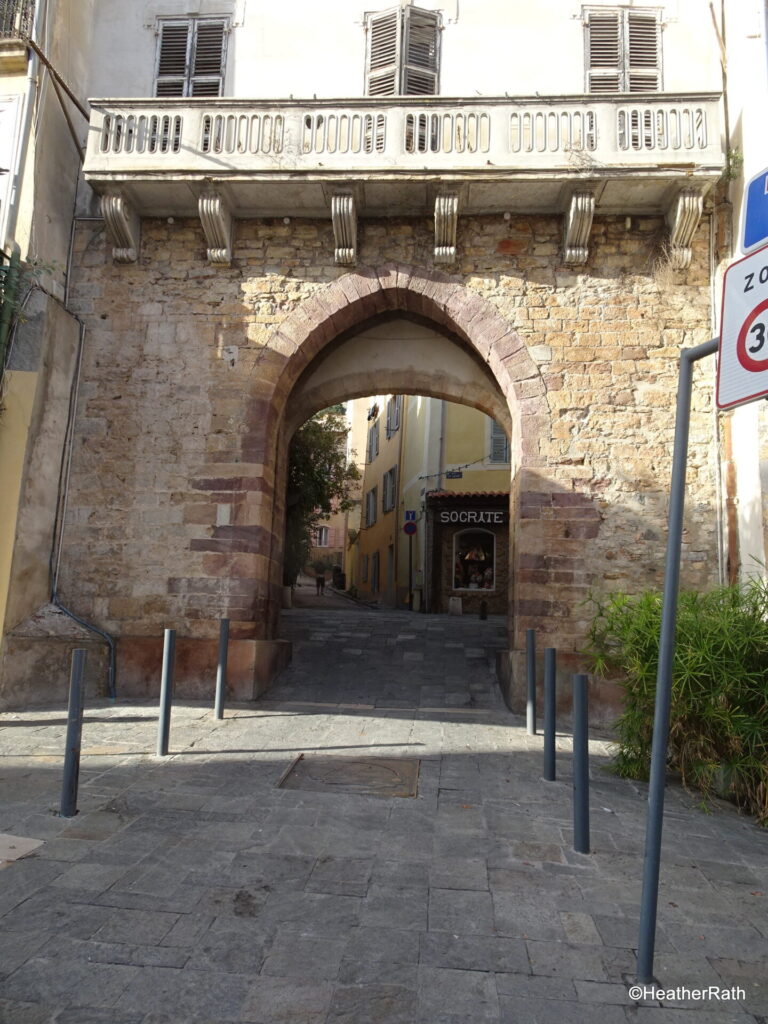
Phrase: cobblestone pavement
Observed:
(194, 888)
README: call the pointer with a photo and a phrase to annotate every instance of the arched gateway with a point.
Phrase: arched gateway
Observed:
(482, 362)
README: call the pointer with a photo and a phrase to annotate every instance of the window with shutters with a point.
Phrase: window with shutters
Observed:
(394, 407)
(389, 490)
(623, 49)
(499, 444)
(371, 499)
(403, 52)
(322, 538)
(191, 56)
(373, 442)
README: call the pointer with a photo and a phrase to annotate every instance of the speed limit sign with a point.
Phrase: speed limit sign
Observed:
(742, 372)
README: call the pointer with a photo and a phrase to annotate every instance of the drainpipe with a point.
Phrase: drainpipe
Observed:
(441, 449)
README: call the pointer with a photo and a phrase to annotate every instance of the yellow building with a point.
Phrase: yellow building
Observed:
(421, 453)
(377, 549)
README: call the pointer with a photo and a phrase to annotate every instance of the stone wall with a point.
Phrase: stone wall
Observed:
(175, 505)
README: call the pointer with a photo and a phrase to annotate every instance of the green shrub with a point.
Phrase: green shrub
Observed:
(718, 738)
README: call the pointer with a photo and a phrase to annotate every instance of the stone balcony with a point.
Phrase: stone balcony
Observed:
(576, 155)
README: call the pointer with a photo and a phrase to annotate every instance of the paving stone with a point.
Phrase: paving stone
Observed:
(347, 876)
(460, 911)
(313, 913)
(13, 1012)
(562, 959)
(516, 916)
(515, 1009)
(372, 1004)
(187, 994)
(399, 909)
(598, 992)
(458, 873)
(386, 944)
(271, 1001)
(140, 926)
(304, 957)
(401, 874)
(68, 983)
(473, 952)
(94, 877)
(470, 993)
(89, 951)
(580, 928)
(231, 951)
(94, 1015)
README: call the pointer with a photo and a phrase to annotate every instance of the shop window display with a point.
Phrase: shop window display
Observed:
(474, 560)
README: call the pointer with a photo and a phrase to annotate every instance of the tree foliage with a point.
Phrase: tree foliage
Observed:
(320, 482)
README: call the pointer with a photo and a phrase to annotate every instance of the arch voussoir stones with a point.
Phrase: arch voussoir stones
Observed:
(358, 296)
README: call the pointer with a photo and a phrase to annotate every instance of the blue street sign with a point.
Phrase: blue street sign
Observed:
(755, 230)
(410, 515)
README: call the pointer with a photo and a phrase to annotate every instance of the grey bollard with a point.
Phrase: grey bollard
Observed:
(221, 671)
(580, 766)
(550, 712)
(166, 692)
(68, 808)
(530, 661)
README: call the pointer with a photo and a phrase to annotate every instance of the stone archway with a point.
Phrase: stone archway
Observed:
(359, 297)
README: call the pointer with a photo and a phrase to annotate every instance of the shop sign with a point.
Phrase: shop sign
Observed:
(477, 517)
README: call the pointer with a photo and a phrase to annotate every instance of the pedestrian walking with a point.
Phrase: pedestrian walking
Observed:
(320, 583)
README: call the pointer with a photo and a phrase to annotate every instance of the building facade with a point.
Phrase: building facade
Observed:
(289, 207)
(428, 459)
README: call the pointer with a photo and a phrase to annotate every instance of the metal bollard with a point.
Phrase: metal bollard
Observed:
(580, 766)
(530, 656)
(166, 692)
(550, 712)
(221, 671)
(69, 785)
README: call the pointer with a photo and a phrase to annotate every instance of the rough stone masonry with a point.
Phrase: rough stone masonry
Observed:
(176, 499)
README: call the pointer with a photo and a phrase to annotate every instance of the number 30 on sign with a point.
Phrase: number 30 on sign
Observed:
(742, 372)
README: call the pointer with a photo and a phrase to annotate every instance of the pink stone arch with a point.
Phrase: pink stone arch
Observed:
(356, 297)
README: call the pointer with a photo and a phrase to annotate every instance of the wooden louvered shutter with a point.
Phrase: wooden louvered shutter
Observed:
(643, 52)
(421, 49)
(383, 64)
(499, 444)
(208, 60)
(604, 52)
(172, 61)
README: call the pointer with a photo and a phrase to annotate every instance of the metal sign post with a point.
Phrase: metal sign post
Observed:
(409, 528)
(650, 896)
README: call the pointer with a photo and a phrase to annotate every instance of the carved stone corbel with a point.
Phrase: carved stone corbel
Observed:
(683, 217)
(123, 227)
(344, 217)
(446, 224)
(216, 219)
(578, 224)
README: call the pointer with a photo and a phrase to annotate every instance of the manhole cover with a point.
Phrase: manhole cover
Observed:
(375, 776)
